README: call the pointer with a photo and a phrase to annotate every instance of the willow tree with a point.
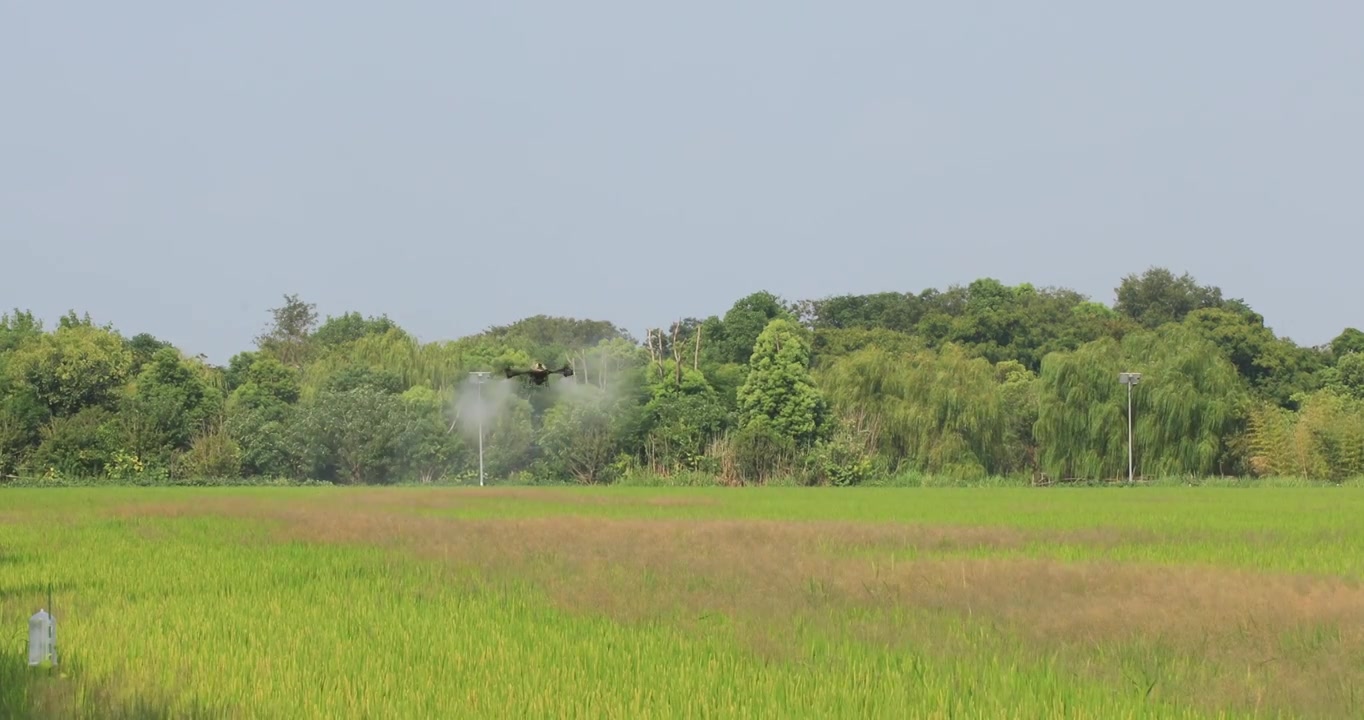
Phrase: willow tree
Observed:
(391, 352)
(940, 412)
(1188, 403)
(1018, 392)
(438, 366)
(866, 390)
(478, 353)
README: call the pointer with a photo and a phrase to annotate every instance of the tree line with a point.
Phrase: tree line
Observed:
(972, 382)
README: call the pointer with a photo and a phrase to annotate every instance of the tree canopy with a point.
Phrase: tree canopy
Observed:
(964, 382)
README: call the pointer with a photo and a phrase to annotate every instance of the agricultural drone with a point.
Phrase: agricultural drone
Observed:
(539, 373)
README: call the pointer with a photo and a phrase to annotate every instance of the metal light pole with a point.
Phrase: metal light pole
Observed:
(1129, 379)
(479, 379)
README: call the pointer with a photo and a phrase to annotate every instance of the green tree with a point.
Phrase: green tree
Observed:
(831, 344)
(1346, 378)
(260, 419)
(238, 366)
(213, 453)
(269, 385)
(428, 448)
(170, 404)
(557, 333)
(288, 335)
(79, 445)
(745, 321)
(349, 327)
(1189, 402)
(936, 411)
(354, 436)
(21, 417)
(143, 346)
(356, 376)
(77, 366)
(680, 419)
(841, 459)
(761, 453)
(1274, 367)
(1350, 340)
(14, 442)
(779, 388)
(392, 353)
(1157, 297)
(897, 312)
(18, 328)
(509, 446)
(1018, 389)
(579, 437)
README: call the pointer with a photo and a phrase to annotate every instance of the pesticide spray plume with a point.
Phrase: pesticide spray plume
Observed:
(573, 389)
(470, 410)
(594, 380)
(499, 392)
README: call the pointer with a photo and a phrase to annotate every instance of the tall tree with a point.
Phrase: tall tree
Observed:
(287, 336)
(260, 415)
(779, 390)
(746, 320)
(1157, 297)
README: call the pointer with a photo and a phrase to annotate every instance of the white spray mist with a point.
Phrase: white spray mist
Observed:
(470, 408)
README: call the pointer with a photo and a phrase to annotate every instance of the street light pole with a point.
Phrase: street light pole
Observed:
(1129, 379)
(479, 378)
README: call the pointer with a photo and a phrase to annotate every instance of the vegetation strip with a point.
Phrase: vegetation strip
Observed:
(976, 384)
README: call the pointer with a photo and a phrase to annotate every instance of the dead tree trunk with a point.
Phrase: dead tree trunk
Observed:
(696, 355)
(677, 352)
(655, 335)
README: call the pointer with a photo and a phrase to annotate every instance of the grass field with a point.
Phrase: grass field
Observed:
(632, 603)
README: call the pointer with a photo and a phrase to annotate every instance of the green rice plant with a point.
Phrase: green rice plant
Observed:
(685, 602)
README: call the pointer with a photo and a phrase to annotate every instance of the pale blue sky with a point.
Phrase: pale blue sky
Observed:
(176, 167)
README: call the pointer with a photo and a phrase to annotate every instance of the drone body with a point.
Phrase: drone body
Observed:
(539, 373)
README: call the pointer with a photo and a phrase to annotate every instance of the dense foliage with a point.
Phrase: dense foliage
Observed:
(984, 380)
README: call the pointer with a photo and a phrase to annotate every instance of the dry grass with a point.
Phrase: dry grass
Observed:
(554, 495)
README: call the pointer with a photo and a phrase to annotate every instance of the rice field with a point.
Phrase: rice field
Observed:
(707, 602)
